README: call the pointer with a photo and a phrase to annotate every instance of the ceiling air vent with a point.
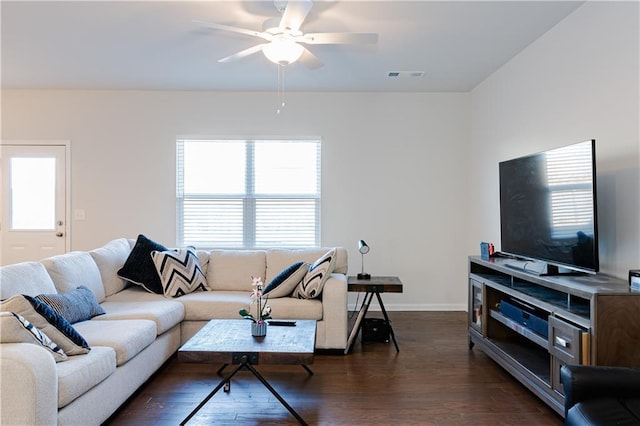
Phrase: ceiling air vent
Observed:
(405, 74)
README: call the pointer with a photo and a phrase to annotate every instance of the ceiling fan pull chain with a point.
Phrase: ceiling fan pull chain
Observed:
(280, 89)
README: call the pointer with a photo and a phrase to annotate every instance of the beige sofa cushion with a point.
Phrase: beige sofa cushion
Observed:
(127, 337)
(109, 259)
(165, 313)
(30, 278)
(82, 372)
(233, 269)
(71, 270)
(290, 308)
(206, 305)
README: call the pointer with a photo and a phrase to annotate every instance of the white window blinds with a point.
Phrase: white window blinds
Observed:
(248, 193)
(571, 189)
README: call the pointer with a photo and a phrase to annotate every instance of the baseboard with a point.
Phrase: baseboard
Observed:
(414, 307)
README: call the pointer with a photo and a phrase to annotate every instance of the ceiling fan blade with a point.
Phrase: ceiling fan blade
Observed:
(215, 26)
(243, 53)
(340, 38)
(295, 14)
(310, 60)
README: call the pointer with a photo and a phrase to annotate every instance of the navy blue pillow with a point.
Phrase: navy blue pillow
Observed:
(283, 284)
(57, 321)
(139, 267)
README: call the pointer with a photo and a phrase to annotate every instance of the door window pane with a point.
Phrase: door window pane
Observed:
(33, 190)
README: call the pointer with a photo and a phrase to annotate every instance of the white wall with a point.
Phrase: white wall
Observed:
(579, 81)
(395, 169)
(415, 175)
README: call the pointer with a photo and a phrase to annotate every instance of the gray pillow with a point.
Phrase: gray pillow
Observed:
(75, 305)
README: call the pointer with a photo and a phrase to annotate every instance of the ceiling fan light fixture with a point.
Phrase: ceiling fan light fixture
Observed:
(283, 51)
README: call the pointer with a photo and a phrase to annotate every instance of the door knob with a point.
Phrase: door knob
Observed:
(59, 234)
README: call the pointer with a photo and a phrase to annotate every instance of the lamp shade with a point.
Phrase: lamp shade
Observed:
(283, 51)
(363, 247)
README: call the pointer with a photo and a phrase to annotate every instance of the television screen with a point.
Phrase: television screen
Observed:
(548, 207)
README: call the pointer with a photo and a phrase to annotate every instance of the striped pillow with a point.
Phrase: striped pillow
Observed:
(75, 305)
(313, 282)
(14, 328)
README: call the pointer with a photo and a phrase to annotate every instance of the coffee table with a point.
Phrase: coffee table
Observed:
(230, 342)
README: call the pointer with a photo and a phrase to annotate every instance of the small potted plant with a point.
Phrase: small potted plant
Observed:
(263, 311)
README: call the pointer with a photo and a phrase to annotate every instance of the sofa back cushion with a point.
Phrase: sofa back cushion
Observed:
(233, 269)
(280, 259)
(71, 270)
(110, 258)
(30, 278)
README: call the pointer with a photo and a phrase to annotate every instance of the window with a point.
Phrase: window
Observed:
(33, 193)
(570, 183)
(248, 193)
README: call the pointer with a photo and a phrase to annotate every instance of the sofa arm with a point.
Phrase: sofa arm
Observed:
(582, 382)
(28, 385)
(334, 311)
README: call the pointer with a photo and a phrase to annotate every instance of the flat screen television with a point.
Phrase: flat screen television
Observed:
(548, 208)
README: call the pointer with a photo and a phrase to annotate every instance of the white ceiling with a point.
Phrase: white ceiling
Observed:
(155, 45)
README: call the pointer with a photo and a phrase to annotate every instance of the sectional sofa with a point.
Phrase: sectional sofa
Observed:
(139, 330)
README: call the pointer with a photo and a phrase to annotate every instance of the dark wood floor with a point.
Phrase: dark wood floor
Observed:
(434, 380)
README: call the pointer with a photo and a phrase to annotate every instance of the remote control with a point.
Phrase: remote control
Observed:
(283, 323)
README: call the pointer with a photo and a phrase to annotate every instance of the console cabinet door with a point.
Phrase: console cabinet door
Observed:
(476, 302)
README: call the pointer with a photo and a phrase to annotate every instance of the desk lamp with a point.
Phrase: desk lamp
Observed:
(363, 248)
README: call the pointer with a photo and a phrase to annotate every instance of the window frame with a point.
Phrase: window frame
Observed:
(249, 197)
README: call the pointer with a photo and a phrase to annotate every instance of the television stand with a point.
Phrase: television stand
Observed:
(532, 325)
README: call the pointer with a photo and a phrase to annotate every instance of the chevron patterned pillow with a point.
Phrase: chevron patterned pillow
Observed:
(180, 272)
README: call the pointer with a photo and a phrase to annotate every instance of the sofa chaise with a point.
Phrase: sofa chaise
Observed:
(139, 330)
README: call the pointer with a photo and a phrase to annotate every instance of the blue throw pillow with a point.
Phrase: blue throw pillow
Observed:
(75, 305)
(286, 281)
(139, 267)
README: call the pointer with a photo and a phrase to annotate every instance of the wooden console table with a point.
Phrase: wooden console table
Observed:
(373, 286)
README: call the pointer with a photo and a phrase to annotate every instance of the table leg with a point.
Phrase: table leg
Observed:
(386, 317)
(275, 393)
(213, 392)
(356, 326)
(244, 363)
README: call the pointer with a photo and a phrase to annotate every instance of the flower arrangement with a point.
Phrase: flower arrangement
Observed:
(264, 311)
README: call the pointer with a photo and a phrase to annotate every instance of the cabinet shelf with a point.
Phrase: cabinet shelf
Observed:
(520, 329)
(533, 359)
(563, 301)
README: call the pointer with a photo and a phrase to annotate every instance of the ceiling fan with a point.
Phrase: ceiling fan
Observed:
(284, 40)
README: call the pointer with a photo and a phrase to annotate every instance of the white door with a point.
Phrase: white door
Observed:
(34, 206)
